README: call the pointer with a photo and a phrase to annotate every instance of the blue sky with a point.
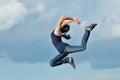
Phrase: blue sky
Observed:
(26, 48)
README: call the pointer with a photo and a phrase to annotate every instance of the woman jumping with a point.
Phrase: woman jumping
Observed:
(64, 48)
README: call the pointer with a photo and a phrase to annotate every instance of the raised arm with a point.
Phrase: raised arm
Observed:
(62, 21)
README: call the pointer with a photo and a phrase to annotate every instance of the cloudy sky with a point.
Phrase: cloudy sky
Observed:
(26, 48)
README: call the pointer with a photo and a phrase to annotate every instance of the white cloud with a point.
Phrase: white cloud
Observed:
(44, 12)
(11, 13)
(48, 15)
(96, 77)
(116, 31)
(105, 77)
(40, 8)
(107, 16)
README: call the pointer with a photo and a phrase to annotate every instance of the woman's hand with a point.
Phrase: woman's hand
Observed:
(76, 20)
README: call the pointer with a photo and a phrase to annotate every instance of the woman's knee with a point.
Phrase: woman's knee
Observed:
(83, 48)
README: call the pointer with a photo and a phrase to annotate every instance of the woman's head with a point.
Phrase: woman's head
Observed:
(65, 28)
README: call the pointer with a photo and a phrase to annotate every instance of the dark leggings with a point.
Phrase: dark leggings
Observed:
(62, 59)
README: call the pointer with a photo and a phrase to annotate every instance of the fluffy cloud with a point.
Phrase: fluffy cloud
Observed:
(46, 13)
(97, 77)
(40, 8)
(11, 13)
(109, 19)
(105, 77)
(116, 31)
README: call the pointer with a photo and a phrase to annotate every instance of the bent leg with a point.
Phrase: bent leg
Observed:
(59, 59)
(72, 49)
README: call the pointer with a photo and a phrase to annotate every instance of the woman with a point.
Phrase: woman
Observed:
(64, 48)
